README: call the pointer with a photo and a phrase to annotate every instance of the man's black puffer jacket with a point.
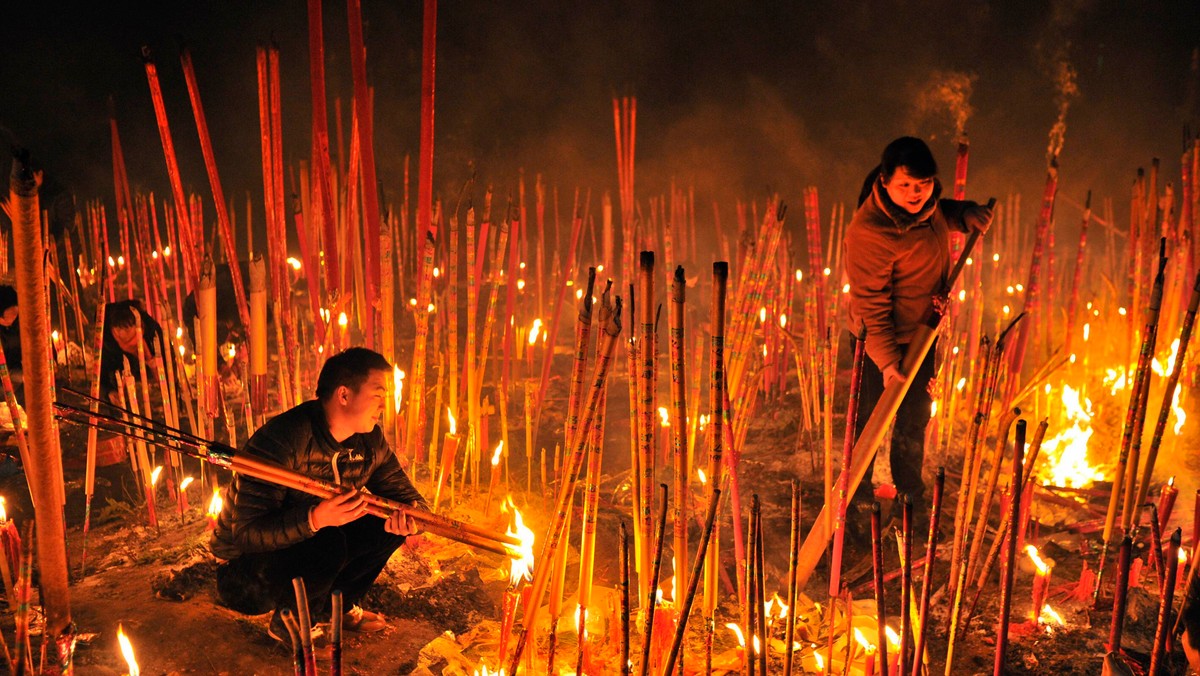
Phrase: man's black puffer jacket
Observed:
(260, 517)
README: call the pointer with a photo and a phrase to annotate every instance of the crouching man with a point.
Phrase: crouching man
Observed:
(268, 534)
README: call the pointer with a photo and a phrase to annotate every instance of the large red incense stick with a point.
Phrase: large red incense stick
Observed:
(835, 573)
(425, 152)
(210, 166)
(316, 65)
(362, 106)
(877, 565)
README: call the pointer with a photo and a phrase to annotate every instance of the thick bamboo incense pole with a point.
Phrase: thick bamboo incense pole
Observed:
(877, 566)
(793, 591)
(414, 445)
(646, 410)
(591, 504)
(679, 427)
(1159, 652)
(258, 337)
(550, 544)
(44, 472)
(90, 471)
(935, 517)
(717, 438)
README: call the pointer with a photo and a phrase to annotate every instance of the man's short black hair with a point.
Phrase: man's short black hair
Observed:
(911, 153)
(349, 368)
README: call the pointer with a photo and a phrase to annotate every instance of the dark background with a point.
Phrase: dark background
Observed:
(736, 99)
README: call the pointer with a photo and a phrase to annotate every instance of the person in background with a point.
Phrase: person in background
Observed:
(897, 254)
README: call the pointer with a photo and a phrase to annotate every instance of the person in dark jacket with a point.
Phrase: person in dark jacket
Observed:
(897, 254)
(121, 334)
(10, 331)
(269, 534)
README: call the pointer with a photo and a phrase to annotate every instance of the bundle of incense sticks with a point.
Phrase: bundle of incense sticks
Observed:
(151, 432)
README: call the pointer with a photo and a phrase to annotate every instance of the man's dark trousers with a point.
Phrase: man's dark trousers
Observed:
(346, 558)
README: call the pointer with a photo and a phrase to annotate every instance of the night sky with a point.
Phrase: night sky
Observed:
(736, 99)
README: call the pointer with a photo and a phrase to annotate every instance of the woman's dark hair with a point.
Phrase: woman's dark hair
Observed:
(349, 368)
(121, 313)
(8, 297)
(912, 154)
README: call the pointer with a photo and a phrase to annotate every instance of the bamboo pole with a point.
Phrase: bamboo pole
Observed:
(839, 536)
(716, 425)
(793, 590)
(1120, 596)
(45, 469)
(906, 585)
(985, 506)
(591, 505)
(877, 565)
(89, 482)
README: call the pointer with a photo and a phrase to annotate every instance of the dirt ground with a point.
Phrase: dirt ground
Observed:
(445, 600)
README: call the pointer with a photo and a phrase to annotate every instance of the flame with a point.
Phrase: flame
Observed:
(862, 641)
(155, 474)
(962, 295)
(111, 262)
(437, 272)
(664, 416)
(216, 504)
(533, 331)
(762, 315)
(295, 263)
(453, 422)
(962, 382)
(579, 616)
(1115, 379)
(232, 351)
(737, 632)
(178, 332)
(783, 607)
(496, 455)
(342, 320)
(1087, 331)
(121, 261)
(1066, 452)
(127, 651)
(522, 566)
(703, 477)
(783, 321)
(578, 294)
(485, 670)
(166, 250)
(1183, 556)
(933, 408)
(4, 512)
(1180, 416)
(1048, 612)
(1042, 567)
(845, 288)
(187, 481)
(398, 391)
(893, 638)
(820, 660)
(54, 335)
(827, 272)
(799, 275)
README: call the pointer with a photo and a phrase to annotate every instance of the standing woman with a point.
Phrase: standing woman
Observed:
(897, 253)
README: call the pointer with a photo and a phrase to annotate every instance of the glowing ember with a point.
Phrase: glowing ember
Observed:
(522, 565)
(1041, 565)
(187, 481)
(216, 504)
(496, 455)
(1066, 452)
(127, 651)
